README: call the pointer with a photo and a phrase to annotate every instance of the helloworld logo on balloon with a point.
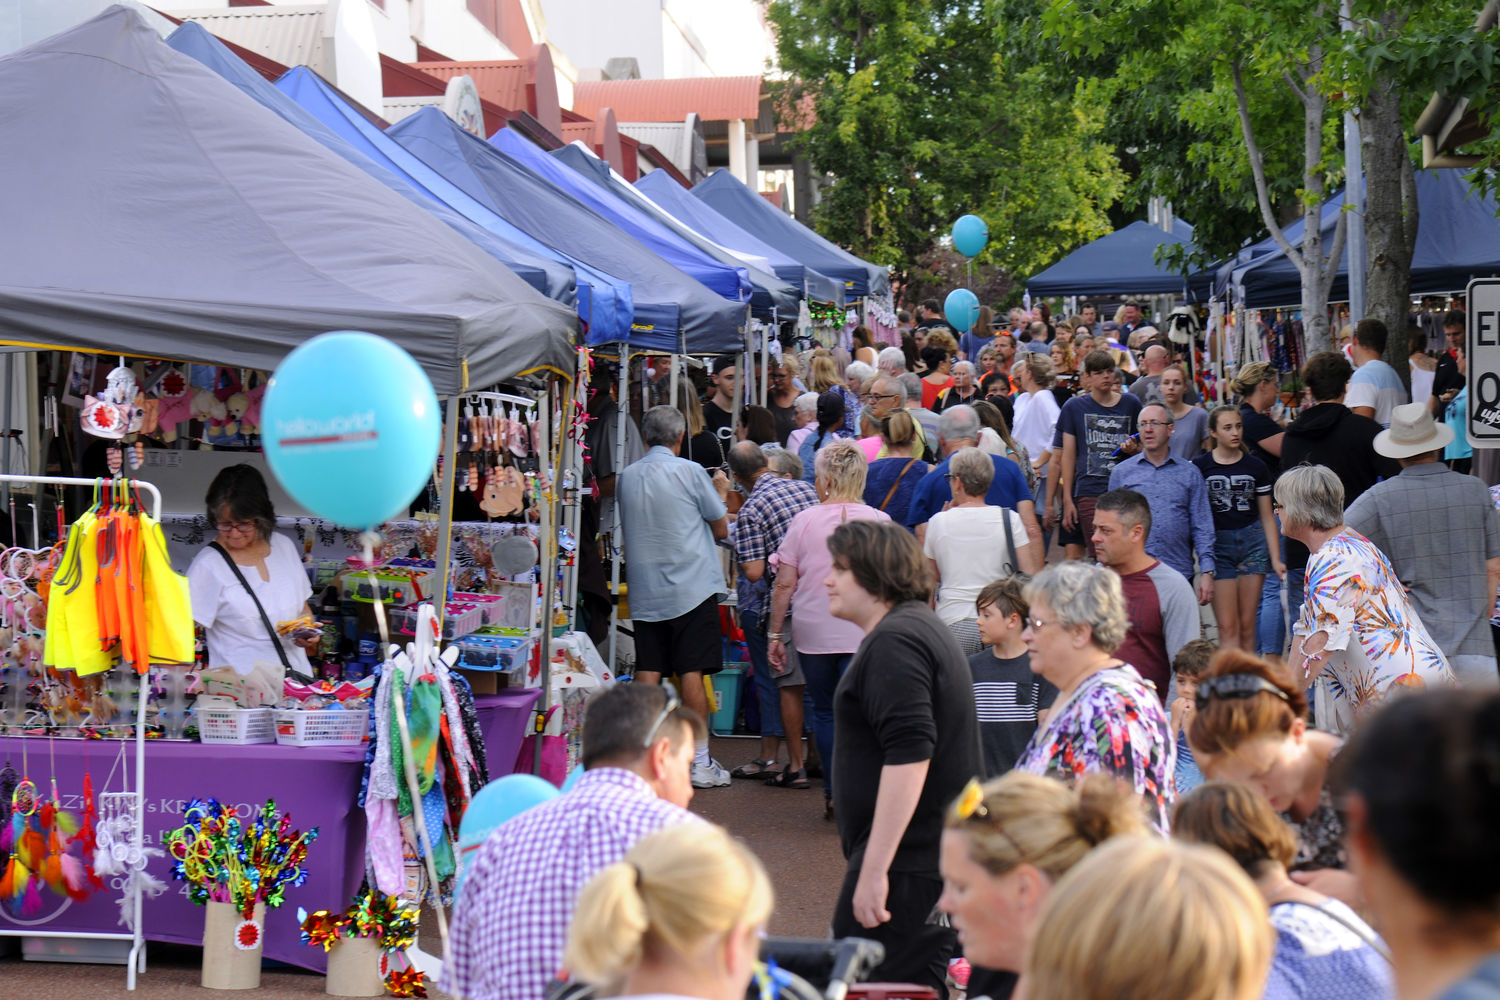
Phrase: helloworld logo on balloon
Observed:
(353, 429)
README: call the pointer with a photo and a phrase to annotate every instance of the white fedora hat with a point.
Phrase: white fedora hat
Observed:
(1412, 432)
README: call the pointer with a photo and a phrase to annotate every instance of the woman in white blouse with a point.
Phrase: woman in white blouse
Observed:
(1036, 420)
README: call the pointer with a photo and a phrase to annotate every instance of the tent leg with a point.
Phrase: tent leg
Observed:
(445, 518)
(10, 384)
(622, 414)
(547, 563)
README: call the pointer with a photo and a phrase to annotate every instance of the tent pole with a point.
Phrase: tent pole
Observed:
(445, 518)
(765, 361)
(10, 385)
(622, 414)
(546, 561)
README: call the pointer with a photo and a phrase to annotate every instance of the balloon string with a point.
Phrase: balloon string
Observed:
(367, 540)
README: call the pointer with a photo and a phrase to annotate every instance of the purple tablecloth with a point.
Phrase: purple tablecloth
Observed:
(318, 786)
(505, 719)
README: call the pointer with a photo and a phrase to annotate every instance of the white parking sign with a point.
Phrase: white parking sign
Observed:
(1483, 353)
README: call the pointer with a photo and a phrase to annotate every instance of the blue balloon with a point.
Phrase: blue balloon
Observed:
(351, 428)
(961, 308)
(501, 800)
(572, 779)
(970, 234)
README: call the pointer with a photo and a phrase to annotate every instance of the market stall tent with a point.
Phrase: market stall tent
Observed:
(672, 197)
(153, 208)
(602, 300)
(672, 312)
(1214, 280)
(1458, 239)
(553, 279)
(1122, 263)
(727, 195)
(765, 291)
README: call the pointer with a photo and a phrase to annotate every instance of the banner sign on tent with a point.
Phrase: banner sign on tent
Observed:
(1483, 347)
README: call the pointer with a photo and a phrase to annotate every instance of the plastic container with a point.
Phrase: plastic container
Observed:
(241, 726)
(320, 728)
(727, 686)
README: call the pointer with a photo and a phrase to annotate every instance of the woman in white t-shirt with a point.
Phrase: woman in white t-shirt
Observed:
(680, 917)
(972, 544)
(1036, 420)
(240, 509)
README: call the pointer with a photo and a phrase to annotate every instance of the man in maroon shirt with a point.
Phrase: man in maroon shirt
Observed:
(1160, 603)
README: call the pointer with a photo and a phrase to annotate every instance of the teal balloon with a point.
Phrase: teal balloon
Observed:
(961, 308)
(970, 235)
(350, 427)
(572, 779)
(501, 800)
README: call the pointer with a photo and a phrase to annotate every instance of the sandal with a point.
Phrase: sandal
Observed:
(756, 769)
(790, 779)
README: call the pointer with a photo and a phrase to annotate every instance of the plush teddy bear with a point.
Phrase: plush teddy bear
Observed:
(213, 413)
(237, 405)
(176, 403)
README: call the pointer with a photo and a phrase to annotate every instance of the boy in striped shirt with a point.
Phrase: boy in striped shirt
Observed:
(1007, 695)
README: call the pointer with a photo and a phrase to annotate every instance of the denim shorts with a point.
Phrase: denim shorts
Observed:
(1241, 552)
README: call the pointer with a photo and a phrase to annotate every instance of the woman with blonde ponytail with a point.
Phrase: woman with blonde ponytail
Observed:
(679, 919)
(1007, 843)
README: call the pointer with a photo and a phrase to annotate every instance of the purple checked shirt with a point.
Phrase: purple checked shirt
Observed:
(511, 921)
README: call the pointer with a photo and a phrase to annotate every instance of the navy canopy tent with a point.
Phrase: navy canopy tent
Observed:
(602, 300)
(671, 311)
(1122, 263)
(725, 194)
(770, 291)
(166, 214)
(680, 203)
(730, 279)
(1458, 238)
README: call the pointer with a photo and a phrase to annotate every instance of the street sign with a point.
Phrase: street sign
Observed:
(1483, 354)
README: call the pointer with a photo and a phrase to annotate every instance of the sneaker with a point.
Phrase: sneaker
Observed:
(710, 775)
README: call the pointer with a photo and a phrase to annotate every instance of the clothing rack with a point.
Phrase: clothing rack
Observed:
(136, 936)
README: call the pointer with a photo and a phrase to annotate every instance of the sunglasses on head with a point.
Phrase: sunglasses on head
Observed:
(671, 706)
(970, 806)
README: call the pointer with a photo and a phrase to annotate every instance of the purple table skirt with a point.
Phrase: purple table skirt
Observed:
(318, 786)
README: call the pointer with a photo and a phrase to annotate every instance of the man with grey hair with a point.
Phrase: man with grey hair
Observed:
(927, 421)
(958, 427)
(784, 463)
(673, 514)
(1440, 531)
(891, 361)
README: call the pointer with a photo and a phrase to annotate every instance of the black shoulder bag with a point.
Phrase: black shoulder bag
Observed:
(264, 618)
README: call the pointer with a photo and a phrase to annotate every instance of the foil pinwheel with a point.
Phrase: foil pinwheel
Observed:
(227, 861)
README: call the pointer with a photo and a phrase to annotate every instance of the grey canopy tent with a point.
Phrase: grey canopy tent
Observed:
(152, 208)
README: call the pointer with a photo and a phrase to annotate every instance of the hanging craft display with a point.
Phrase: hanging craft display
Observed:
(226, 861)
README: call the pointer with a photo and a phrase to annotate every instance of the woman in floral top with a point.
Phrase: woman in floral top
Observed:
(1106, 718)
(1358, 629)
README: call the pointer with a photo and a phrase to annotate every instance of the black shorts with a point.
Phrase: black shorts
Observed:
(689, 643)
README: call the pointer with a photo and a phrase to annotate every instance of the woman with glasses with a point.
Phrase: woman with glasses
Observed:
(1106, 718)
(249, 582)
(1005, 844)
(1359, 631)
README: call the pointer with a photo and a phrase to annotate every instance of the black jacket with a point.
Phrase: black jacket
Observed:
(1333, 435)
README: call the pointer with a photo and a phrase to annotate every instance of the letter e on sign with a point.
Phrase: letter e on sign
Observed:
(1482, 418)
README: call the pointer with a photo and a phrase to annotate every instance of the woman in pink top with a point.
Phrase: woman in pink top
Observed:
(824, 643)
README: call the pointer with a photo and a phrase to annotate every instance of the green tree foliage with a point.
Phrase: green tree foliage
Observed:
(921, 115)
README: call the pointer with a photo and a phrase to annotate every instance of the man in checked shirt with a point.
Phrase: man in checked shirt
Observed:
(511, 920)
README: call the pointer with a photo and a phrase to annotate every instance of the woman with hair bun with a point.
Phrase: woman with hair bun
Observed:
(1250, 726)
(1006, 843)
(1324, 950)
(681, 916)
(1419, 782)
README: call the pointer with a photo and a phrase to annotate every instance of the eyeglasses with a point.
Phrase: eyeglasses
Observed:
(970, 805)
(1277, 507)
(673, 702)
(1037, 624)
(235, 527)
(875, 397)
(1153, 423)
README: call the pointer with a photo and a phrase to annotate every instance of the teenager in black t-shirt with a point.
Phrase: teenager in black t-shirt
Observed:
(908, 743)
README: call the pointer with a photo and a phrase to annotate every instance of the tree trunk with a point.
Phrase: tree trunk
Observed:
(1314, 289)
(1390, 216)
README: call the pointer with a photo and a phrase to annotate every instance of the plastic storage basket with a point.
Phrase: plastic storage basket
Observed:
(236, 725)
(321, 728)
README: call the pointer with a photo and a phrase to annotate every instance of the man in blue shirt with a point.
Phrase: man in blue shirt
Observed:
(958, 427)
(1181, 520)
(672, 514)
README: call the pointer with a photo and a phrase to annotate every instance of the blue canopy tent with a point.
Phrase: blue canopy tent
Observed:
(673, 198)
(671, 311)
(772, 293)
(552, 279)
(725, 194)
(1122, 263)
(1213, 281)
(602, 300)
(1458, 239)
(720, 273)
